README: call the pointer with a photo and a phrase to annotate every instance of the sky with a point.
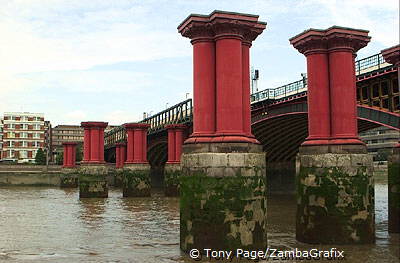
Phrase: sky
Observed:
(101, 60)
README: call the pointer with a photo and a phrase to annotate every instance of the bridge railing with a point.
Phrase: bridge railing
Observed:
(177, 114)
(280, 92)
(362, 66)
(180, 113)
(371, 63)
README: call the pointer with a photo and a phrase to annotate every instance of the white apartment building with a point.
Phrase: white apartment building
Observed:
(23, 135)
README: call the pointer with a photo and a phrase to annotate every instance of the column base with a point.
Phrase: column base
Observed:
(335, 198)
(172, 173)
(69, 178)
(136, 180)
(394, 191)
(223, 197)
(93, 181)
(333, 142)
(221, 138)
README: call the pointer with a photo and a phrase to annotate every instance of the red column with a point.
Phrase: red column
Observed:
(69, 154)
(73, 148)
(229, 105)
(130, 145)
(171, 144)
(246, 88)
(137, 150)
(392, 56)
(221, 62)
(94, 144)
(178, 143)
(65, 155)
(312, 44)
(144, 140)
(101, 145)
(175, 142)
(136, 142)
(86, 144)
(122, 154)
(94, 141)
(342, 46)
(117, 155)
(332, 109)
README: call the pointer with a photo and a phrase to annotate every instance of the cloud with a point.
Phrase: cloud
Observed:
(118, 117)
(75, 115)
(111, 60)
(81, 40)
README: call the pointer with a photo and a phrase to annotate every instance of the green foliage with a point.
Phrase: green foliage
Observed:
(40, 157)
(382, 155)
(60, 158)
(79, 153)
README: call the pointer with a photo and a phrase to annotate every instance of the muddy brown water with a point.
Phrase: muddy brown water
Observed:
(41, 224)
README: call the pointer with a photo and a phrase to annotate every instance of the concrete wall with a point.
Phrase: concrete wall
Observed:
(39, 175)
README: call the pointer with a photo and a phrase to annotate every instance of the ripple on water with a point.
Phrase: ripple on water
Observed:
(52, 225)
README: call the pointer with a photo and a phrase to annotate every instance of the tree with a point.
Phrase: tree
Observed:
(79, 153)
(40, 157)
(382, 155)
(60, 158)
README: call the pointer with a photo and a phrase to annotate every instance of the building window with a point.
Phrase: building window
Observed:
(23, 154)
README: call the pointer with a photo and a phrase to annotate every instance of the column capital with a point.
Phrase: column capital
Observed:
(344, 38)
(94, 124)
(331, 39)
(135, 125)
(221, 24)
(392, 55)
(309, 42)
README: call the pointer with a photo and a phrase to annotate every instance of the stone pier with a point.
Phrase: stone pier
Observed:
(392, 56)
(136, 171)
(172, 169)
(394, 190)
(223, 195)
(335, 188)
(93, 170)
(69, 178)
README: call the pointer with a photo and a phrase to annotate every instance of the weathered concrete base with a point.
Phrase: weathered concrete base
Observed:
(69, 178)
(223, 197)
(172, 173)
(136, 180)
(394, 191)
(93, 181)
(335, 199)
(118, 177)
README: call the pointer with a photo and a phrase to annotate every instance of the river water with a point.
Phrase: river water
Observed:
(39, 224)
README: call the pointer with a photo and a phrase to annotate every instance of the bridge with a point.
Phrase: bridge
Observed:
(235, 143)
(281, 111)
